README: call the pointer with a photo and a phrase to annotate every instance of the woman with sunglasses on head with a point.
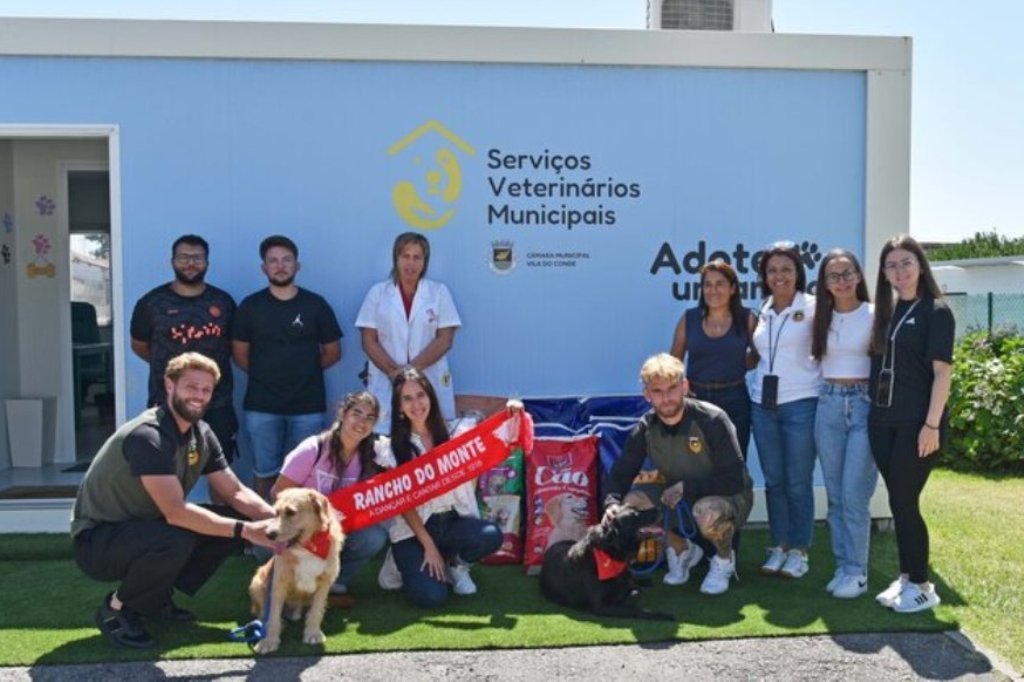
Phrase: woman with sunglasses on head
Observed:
(344, 454)
(911, 366)
(843, 317)
(784, 395)
(713, 339)
(435, 543)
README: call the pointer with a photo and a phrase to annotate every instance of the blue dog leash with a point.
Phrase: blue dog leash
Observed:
(255, 630)
(687, 526)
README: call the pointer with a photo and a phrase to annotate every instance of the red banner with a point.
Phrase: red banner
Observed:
(433, 473)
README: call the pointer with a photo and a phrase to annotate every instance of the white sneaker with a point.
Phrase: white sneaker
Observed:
(338, 588)
(776, 557)
(796, 565)
(851, 587)
(679, 565)
(837, 578)
(889, 595)
(389, 578)
(458, 575)
(913, 599)
(717, 579)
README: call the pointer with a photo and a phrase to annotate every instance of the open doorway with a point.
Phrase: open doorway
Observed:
(91, 308)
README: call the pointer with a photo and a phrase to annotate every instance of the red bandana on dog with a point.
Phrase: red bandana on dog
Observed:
(607, 567)
(319, 544)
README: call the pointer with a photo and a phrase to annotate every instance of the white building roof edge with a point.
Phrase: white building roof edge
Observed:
(966, 263)
(377, 42)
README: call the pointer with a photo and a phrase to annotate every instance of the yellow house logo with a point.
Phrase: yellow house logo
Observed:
(428, 201)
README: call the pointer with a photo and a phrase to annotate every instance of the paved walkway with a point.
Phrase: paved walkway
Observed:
(874, 657)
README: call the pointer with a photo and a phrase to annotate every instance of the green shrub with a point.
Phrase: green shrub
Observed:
(986, 404)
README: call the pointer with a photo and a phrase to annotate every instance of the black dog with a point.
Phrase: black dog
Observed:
(591, 573)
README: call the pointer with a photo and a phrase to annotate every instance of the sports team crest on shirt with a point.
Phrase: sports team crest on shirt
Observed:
(446, 379)
(696, 445)
(798, 316)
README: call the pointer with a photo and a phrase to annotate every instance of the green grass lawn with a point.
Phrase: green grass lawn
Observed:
(47, 618)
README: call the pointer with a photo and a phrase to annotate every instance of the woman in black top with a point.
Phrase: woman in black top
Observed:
(911, 366)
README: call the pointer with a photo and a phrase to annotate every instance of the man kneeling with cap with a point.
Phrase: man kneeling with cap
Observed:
(697, 458)
(132, 523)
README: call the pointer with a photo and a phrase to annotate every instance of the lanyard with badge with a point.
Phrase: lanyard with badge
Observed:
(770, 381)
(887, 376)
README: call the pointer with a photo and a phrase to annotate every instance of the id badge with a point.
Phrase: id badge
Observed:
(770, 391)
(885, 381)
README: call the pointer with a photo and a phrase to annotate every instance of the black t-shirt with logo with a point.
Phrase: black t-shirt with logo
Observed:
(173, 324)
(926, 335)
(284, 340)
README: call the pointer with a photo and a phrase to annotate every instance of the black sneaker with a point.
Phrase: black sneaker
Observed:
(123, 628)
(172, 612)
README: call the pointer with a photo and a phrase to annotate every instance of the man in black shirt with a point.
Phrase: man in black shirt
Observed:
(131, 521)
(187, 314)
(696, 456)
(284, 337)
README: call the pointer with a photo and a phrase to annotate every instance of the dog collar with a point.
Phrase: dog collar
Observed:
(319, 544)
(608, 567)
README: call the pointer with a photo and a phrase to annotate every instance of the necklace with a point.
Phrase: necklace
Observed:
(716, 328)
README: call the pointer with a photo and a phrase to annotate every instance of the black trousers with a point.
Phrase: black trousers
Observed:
(894, 447)
(151, 557)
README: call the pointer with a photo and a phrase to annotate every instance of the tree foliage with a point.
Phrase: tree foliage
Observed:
(981, 245)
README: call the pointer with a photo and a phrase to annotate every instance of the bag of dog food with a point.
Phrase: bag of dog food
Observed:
(561, 488)
(500, 494)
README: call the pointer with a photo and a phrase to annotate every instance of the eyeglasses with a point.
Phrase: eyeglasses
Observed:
(905, 264)
(189, 258)
(359, 415)
(844, 276)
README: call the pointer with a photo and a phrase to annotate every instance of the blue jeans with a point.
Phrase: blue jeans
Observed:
(841, 436)
(467, 538)
(272, 436)
(736, 403)
(785, 446)
(360, 547)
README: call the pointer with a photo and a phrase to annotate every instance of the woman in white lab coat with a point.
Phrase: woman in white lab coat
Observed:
(409, 321)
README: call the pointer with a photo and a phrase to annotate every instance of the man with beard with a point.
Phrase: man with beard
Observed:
(696, 457)
(284, 337)
(131, 521)
(187, 314)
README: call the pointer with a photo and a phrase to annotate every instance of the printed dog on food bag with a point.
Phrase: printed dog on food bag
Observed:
(309, 541)
(567, 513)
(592, 573)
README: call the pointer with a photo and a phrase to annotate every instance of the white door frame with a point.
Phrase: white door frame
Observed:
(64, 446)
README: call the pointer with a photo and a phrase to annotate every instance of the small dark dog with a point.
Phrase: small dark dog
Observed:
(592, 573)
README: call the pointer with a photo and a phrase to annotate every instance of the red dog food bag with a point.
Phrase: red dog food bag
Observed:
(561, 489)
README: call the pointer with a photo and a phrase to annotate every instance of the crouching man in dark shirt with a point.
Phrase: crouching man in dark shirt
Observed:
(693, 447)
(132, 523)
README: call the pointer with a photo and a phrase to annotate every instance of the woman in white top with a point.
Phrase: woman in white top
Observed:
(784, 396)
(843, 319)
(409, 321)
(435, 543)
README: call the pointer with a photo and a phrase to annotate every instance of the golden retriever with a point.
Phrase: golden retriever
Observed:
(309, 541)
(568, 516)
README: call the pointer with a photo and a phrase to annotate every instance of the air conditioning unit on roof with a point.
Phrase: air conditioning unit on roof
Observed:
(754, 16)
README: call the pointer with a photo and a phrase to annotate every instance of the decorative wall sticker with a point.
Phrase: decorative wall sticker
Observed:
(8, 222)
(41, 266)
(6, 253)
(45, 205)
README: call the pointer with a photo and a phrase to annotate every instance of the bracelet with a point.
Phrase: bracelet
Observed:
(239, 526)
(933, 428)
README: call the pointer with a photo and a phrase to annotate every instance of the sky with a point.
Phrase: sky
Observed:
(967, 139)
